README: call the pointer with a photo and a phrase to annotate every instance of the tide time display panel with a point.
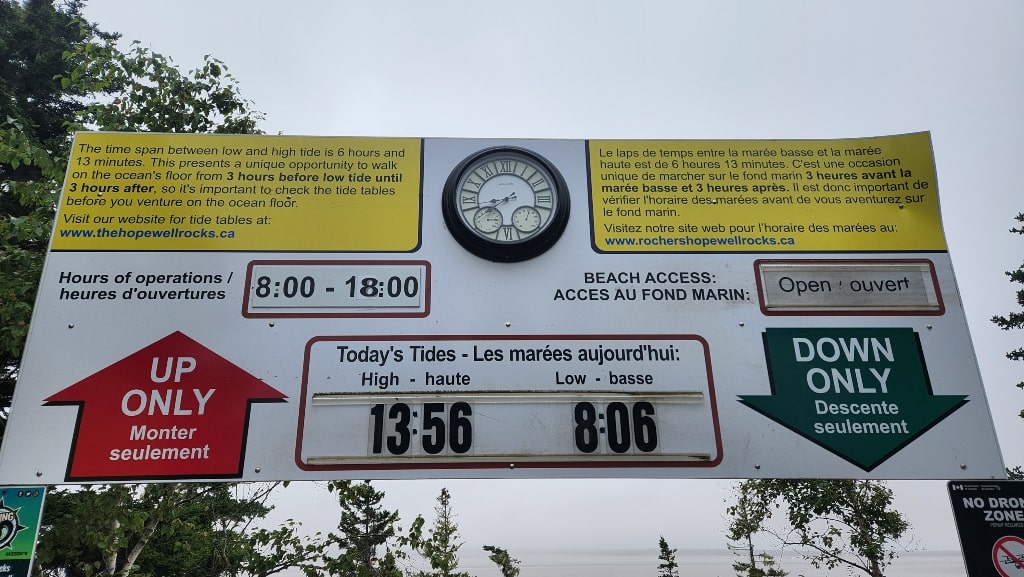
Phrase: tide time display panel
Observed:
(255, 308)
(559, 399)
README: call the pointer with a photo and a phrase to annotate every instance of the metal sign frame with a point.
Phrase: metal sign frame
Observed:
(277, 307)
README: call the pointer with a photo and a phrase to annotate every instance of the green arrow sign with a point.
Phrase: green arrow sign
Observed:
(862, 393)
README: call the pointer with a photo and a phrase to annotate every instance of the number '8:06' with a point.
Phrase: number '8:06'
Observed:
(623, 427)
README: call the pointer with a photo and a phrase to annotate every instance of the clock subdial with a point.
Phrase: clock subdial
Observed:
(488, 219)
(526, 218)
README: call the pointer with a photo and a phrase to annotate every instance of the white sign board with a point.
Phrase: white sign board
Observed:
(274, 307)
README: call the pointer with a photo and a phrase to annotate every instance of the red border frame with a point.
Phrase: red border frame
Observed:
(336, 315)
(848, 312)
(452, 463)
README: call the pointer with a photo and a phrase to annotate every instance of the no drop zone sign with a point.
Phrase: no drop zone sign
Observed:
(990, 522)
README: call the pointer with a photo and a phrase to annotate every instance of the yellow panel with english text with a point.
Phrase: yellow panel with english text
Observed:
(187, 192)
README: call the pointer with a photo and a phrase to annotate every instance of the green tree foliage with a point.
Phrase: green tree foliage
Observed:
(441, 547)
(59, 74)
(34, 36)
(172, 530)
(834, 523)
(143, 91)
(34, 110)
(270, 551)
(26, 217)
(365, 530)
(198, 536)
(103, 531)
(748, 516)
(508, 565)
(668, 566)
(214, 533)
(1015, 320)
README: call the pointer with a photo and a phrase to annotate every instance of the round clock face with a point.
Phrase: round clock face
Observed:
(506, 204)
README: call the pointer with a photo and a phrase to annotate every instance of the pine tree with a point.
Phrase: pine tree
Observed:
(1015, 320)
(667, 556)
(364, 527)
(441, 548)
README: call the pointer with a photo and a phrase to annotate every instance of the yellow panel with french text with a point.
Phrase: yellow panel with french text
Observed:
(849, 195)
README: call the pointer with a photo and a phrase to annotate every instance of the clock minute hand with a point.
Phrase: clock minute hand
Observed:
(497, 201)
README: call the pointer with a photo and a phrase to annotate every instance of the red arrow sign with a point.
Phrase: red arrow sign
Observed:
(172, 410)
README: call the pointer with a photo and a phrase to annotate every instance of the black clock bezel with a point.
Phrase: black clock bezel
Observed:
(505, 251)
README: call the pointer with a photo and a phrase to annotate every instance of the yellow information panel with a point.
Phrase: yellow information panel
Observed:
(867, 194)
(183, 192)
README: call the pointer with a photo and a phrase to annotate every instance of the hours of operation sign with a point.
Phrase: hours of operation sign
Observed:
(277, 307)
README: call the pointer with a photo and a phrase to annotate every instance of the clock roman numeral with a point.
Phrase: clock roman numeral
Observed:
(487, 171)
(472, 183)
(508, 233)
(539, 183)
(505, 166)
(544, 199)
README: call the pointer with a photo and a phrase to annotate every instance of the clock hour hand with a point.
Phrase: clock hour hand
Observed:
(496, 201)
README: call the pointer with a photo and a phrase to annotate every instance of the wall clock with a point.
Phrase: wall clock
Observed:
(505, 204)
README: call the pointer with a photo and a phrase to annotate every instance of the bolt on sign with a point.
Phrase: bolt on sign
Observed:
(303, 308)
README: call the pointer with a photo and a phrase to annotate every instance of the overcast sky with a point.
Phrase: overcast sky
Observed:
(646, 69)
